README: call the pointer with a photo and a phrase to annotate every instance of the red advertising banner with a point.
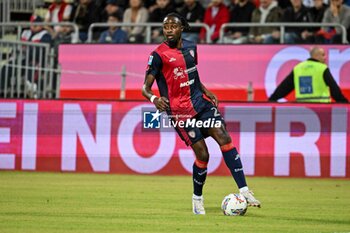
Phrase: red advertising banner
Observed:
(290, 140)
(94, 71)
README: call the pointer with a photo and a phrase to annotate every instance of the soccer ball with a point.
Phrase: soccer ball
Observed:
(234, 204)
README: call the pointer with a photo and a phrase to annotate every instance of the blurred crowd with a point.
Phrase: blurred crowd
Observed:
(214, 13)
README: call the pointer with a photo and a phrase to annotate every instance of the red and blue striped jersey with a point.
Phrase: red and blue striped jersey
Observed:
(177, 78)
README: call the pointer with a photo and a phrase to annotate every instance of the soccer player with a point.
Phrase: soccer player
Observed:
(173, 66)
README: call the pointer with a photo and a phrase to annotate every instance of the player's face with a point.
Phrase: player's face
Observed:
(172, 29)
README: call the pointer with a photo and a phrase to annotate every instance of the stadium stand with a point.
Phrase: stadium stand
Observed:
(14, 11)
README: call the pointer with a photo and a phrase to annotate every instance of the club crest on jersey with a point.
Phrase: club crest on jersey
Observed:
(178, 73)
(192, 53)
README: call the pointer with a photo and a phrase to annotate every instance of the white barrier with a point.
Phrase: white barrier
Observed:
(282, 27)
(27, 70)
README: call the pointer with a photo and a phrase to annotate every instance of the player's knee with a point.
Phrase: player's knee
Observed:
(223, 138)
(202, 154)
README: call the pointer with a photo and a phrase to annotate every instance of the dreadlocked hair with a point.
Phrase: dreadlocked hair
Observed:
(184, 22)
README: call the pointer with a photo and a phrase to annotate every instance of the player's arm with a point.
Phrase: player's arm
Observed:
(161, 103)
(210, 95)
(153, 68)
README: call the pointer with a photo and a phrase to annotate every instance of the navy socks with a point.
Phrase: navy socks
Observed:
(233, 162)
(199, 175)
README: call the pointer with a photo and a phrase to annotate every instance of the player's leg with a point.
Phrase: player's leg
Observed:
(233, 162)
(222, 137)
(199, 175)
(230, 154)
(194, 138)
(200, 166)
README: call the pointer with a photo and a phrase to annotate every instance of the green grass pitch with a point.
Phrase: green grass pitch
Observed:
(68, 202)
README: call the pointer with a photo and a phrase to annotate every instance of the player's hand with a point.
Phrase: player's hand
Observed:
(161, 103)
(213, 98)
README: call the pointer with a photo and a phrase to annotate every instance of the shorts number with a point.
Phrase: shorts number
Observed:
(216, 113)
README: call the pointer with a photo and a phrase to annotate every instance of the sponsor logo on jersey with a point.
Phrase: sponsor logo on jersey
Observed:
(172, 59)
(190, 70)
(187, 83)
(192, 53)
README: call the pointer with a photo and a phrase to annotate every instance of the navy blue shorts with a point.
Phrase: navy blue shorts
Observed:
(197, 128)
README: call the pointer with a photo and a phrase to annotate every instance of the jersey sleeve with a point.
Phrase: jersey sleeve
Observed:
(154, 65)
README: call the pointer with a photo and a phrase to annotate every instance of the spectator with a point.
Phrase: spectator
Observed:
(284, 4)
(34, 57)
(84, 16)
(207, 3)
(178, 4)
(36, 33)
(63, 37)
(268, 12)
(316, 12)
(58, 11)
(297, 13)
(114, 34)
(215, 15)
(123, 4)
(136, 13)
(149, 4)
(312, 81)
(240, 12)
(336, 13)
(100, 5)
(162, 8)
(193, 12)
(111, 8)
(308, 3)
